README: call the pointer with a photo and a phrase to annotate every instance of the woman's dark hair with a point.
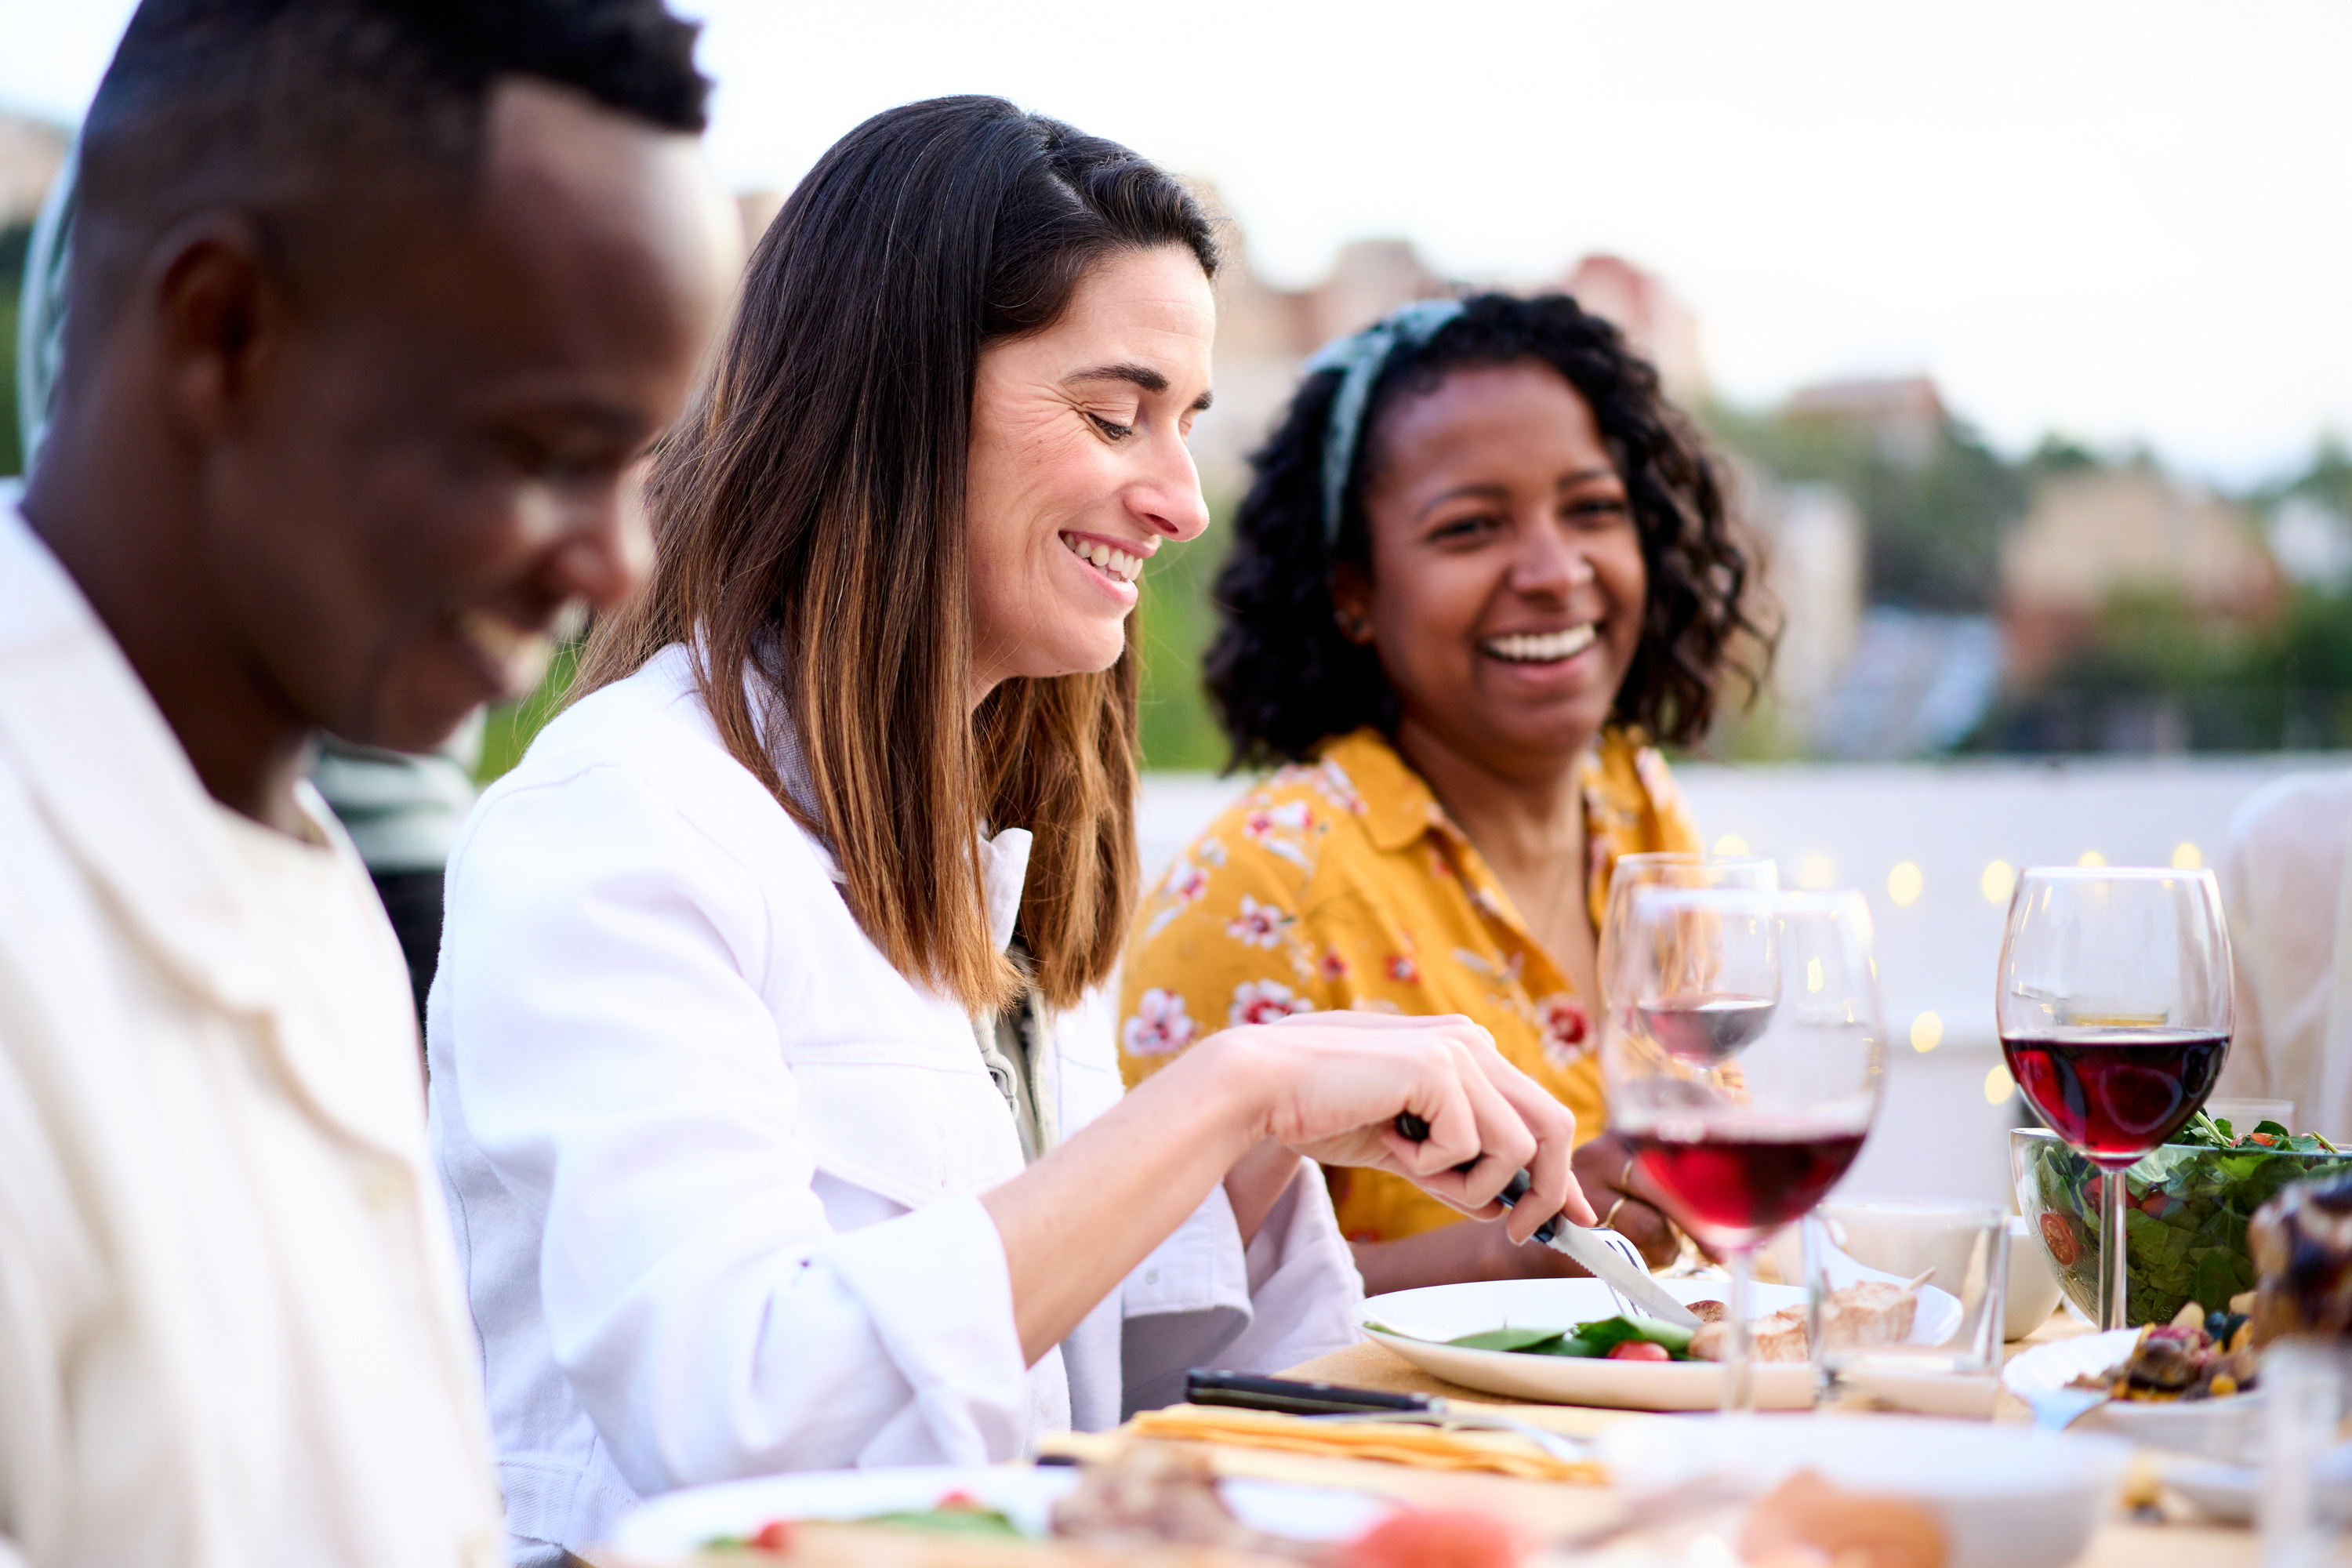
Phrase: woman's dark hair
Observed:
(1284, 680)
(809, 527)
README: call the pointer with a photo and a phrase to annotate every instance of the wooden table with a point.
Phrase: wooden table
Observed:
(2125, 1542)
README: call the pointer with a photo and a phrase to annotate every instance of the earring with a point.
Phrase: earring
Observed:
(1351, 627)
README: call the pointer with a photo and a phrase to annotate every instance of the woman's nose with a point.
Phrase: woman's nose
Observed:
(1169, 498)
(1550, 560)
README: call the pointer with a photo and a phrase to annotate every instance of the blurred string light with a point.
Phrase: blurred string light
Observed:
(1999, 880)
(1816, 871)
(1904, 883)
(1999, 1085)
(2187, 856)
(1926, 1032)
(2092, 858)
(1731, 844)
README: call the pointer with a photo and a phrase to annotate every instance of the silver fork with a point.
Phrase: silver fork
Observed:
(1624, 1246)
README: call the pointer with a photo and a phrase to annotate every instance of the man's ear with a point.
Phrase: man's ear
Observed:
(221, 310)
(1351, 601)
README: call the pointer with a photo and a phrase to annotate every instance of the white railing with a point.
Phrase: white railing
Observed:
(1927, 843)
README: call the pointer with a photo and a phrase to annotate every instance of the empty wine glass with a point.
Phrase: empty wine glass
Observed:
(1743, 1112)
(1672, 869)
(2115, 1012)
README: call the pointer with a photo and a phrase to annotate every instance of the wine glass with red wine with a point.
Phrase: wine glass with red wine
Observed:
(1744, 1112)
(1715, 1021)
(2115, 1011)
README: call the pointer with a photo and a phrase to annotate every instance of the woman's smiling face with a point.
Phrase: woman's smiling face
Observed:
(1079, 469)
(1506, 583)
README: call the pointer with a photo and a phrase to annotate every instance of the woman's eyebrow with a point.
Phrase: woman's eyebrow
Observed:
(1460, 493)
(1141, 375)
(1583, 477)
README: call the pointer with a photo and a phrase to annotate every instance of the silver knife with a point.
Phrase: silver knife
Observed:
(1600, 1259)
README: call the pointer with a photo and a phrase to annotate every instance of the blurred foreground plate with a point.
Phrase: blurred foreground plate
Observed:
(1439, 1312)
(673, 1528)
(2007, 1496)
(2223, 1429)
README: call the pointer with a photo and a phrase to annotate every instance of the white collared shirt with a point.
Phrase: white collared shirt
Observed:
(229, 1330)
(716, 1166)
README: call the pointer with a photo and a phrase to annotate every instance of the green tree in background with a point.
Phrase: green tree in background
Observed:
(1175, 624)
(2327, 481)
(510, 726)
(1934, 525)
(14, 242)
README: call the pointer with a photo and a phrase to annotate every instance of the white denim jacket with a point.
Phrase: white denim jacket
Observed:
(714, 1165)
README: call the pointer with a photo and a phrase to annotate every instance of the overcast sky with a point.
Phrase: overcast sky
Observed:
(2126, 221)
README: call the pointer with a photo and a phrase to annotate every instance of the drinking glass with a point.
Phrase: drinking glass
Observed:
(2115, 1013)
(1671, 868)
(2304, 1504)
(1949, 1359)
(1742, 1058)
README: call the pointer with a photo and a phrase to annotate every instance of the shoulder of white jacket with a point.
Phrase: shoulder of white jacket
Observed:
(652, 731)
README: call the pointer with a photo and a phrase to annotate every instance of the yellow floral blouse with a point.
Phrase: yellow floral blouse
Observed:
(1342, 883)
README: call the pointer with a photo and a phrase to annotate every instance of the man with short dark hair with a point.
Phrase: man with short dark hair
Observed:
(374, 306)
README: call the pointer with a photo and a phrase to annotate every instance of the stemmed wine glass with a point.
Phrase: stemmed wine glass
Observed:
(1741, 1050)
(2115, 1012)
(1671, 868)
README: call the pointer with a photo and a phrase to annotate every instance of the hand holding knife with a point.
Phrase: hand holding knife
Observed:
(1588, 1247)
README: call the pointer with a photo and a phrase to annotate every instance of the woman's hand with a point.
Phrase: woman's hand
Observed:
(1604, 1168)
(1332, 1085)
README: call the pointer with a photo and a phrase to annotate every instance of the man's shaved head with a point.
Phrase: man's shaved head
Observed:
(374, 306)
(319, 119)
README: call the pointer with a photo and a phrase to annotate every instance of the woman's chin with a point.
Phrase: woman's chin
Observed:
(1557, 729)
(1086, 650)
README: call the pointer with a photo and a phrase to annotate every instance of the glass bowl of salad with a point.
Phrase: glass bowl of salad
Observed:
(2186, 1225)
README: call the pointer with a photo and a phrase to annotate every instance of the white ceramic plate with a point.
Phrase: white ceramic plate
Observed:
(2007, 1496)
(1440, 1312)
(671, 1529)
(2227, 1492)
(2222, 1429)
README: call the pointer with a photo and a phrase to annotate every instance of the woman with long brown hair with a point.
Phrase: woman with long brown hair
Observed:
(773, 1137)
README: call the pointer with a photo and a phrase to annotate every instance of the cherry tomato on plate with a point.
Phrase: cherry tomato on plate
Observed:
(1450, 1538)
(1638, 1349)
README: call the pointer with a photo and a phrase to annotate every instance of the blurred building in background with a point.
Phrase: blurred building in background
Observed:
(1812, 541)
(1903, 419)
(1265, 332)
(2095, 535)
(1638, 304)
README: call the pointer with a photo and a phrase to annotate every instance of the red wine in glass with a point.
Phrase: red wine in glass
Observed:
(2115, 1092)
(1706, 1028)
(1733, 1185)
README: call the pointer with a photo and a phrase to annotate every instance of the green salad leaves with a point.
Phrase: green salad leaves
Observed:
(2186, 1209)
(1583, 1339)
(2205, 1132)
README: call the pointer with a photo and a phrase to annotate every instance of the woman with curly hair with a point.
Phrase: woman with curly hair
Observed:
(1484, 567)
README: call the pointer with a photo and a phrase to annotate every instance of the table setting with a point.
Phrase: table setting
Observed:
(2133, 1368)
